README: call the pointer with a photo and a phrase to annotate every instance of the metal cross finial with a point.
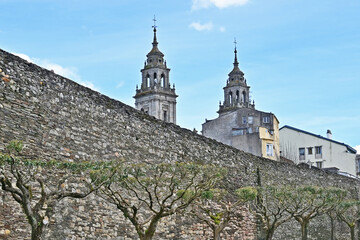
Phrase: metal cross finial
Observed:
(154, 23)
(235, 42)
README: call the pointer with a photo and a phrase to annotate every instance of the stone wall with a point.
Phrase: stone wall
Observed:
(58, 118)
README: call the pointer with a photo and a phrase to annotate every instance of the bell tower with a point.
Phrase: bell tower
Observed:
(236, 91)
(155, 96)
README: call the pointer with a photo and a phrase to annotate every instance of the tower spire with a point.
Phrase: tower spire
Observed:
(155, 43)
(236, 63)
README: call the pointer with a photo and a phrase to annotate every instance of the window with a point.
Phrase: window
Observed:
(250, 119)
(162, 80)
(244, 96)
(318, 152)
(230, 98)
(269, 149)
(165, 116)
(237, 132)
(302, 153)
(243, 120)
(250, 130)
(237, 95)
(266, 119)
(310, 150)
(319, 164)
(147, 83)
(155, 78)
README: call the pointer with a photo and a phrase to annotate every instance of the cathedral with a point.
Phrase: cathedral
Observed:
(239, 124)
(155, 96)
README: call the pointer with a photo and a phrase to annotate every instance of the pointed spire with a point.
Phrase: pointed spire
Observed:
(236, 70)
(236, 63)
(155, 50)
(155, 42)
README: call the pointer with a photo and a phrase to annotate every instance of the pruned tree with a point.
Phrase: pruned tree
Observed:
(308, 202)
(349, 212)
(216, 207)
(29, 183)
(332, 215)
(271, 206)
(146, 193)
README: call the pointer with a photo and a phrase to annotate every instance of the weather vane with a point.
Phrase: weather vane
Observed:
(235, 42)
(154, 23)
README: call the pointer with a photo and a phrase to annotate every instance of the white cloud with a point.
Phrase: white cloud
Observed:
(68, 72)
(201, 27)
(24, 56)
(222, 29)
(89, 85)
(357, 148)
(120, 84)
(63, 71)
(198, 4)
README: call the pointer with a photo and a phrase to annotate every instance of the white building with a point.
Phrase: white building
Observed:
(322, 152)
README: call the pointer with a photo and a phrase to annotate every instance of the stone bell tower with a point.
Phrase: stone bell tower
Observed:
(155, 95)
(236, 91)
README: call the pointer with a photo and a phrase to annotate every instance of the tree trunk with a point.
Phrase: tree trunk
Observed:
(270, 234)
(150, 231)
(352, 232)
(36, 232)
(332, 225)
(304, 230)
(216, 233)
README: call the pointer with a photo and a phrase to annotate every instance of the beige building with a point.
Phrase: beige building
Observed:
(323, 152)
(239, 124)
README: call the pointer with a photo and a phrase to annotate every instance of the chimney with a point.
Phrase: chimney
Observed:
(329, 134)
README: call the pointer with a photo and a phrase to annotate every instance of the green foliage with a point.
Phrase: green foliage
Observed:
(15, 146)
(246, 194)
(217, 217)
(208, 194)
(214, 194)
(349, 203)
(185, 194)
(56, 164)
(318, 197)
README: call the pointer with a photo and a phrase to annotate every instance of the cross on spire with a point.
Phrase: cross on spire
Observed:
(236, 63)
(154, 26)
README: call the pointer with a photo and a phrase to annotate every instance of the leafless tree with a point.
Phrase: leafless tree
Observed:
(29, 183)
(216, 207)
(146, 193)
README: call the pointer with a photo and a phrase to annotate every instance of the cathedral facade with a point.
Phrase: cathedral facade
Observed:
(155, 96)
(239, 124)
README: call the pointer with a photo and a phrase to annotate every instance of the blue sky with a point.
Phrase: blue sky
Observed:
(300, 57)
